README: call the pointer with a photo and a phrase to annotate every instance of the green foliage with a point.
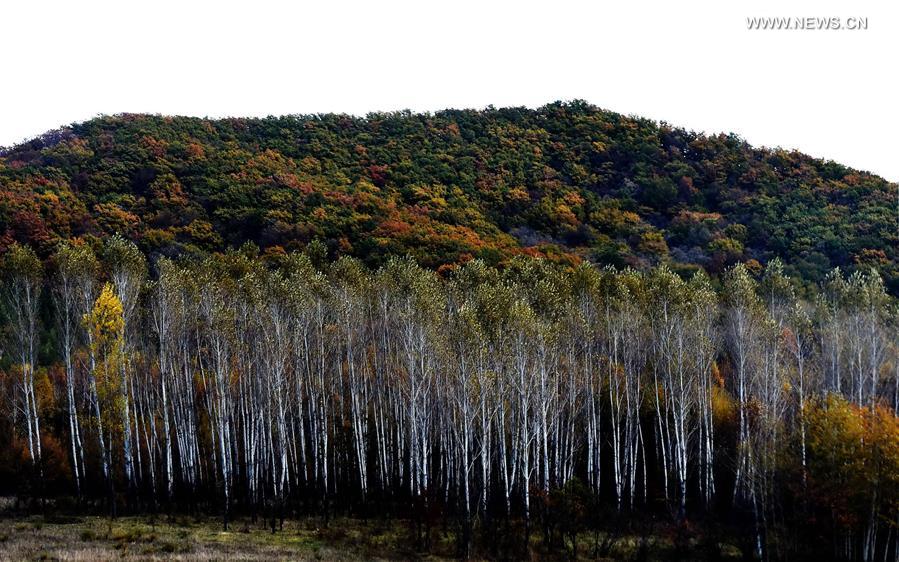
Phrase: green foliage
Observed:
(75, 258)
(22, 266)
(567, 181)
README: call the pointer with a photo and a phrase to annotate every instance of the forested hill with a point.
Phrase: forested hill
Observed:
(568, 181)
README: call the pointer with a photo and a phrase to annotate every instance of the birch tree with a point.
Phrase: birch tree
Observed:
(23, 274)
(74, 279)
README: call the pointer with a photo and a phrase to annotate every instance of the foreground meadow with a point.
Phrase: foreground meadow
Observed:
(161, 538)
(83, 538)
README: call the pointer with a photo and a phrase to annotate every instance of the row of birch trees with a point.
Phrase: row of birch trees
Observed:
(293, 385)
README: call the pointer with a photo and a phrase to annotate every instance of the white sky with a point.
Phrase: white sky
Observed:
(832, 94)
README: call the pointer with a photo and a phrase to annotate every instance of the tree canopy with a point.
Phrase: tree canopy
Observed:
(567, 181)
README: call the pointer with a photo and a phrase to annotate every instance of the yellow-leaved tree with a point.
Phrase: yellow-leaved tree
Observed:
(854, 469)
(106, 331)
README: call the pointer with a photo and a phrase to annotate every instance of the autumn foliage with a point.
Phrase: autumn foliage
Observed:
(567, 182)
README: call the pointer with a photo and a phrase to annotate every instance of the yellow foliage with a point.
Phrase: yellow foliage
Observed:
(716, 375)
(43, 389)
(106, 325)
(105, 321)
(518, 194)
(854, 458)
(724, 407)
(600, 147)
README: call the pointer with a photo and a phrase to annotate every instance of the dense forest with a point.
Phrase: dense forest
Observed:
(533, 400)
(568, 182)
(543, 332)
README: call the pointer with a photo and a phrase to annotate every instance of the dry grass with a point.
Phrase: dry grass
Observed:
(141, 538)
(185, 538)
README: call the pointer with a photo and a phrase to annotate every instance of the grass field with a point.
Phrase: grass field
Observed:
(143, 538)
(184, 538)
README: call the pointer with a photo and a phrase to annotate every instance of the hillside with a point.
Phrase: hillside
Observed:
(568, 181)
